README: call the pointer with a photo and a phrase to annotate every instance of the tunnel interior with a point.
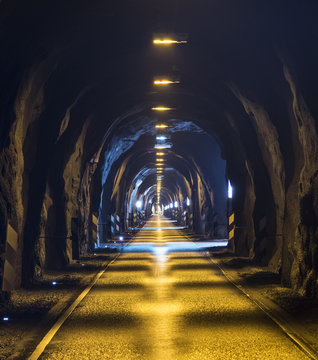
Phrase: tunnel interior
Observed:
(93, 140)
(147, 167)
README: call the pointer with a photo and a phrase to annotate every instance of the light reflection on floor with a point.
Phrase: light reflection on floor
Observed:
(164, 300)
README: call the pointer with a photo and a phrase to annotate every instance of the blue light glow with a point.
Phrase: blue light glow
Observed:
(230, 190)
(163, 146)
(161, 137)
(5, 318)
(54, 282)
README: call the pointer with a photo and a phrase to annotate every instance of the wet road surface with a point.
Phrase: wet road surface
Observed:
(160, 305)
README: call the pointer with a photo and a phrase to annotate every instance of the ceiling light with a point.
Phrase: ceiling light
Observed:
(161, 137)
(163, 82)
(163, 146)
(161, 108)
(168, 41)
(161, 126)
(169, 38)
(160, 153)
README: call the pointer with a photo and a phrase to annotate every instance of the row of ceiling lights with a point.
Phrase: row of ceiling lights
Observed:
(161, 136)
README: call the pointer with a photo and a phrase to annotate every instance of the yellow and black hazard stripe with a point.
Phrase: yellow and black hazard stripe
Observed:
(231, 227)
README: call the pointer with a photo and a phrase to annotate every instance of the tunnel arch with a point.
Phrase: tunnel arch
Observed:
(65, 92)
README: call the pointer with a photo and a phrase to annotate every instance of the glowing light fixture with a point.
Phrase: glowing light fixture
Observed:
(121, 238)
(161, 108)
(188, 201)
(165, 41)
(229, 190)
(163, 82)
(168, 41)
(171, 205)
(138, 204)
(161, 137)
(169, 38)
(176, 204)
(160, 160)
(54, 283)
(5, 318)
(160, 154)
(163, 146)
(161, 126)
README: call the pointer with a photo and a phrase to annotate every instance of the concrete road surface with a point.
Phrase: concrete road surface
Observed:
(160, 305)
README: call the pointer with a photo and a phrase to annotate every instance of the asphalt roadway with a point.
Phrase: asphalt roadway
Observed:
(161, 305)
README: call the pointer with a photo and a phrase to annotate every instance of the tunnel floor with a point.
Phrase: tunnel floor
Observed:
(166, 305)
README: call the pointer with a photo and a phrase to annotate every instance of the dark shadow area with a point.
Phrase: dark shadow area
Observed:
(235, 263)
(105, 321)
(151, 259)
(203, 285)
(191, 267)
(294, 303)
(128, 268)
(176, 257)
(262, 278)
(98, 287)
(219, 318)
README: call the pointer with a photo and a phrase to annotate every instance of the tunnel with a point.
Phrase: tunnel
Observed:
(113, 113)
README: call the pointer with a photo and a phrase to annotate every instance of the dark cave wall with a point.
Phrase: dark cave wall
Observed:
(282, 198)
(42, 174)
(301, 218)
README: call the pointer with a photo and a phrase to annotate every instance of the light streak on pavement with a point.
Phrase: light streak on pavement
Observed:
(162, 299)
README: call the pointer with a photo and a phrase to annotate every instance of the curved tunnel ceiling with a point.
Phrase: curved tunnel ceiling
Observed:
(76, 96)
(132, 159)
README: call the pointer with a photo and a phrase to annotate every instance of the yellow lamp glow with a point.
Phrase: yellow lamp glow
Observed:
(161, 108)
(161, 126)
(165, 82)
(167, 41)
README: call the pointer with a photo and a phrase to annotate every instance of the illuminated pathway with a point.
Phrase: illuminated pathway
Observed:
(154, 305)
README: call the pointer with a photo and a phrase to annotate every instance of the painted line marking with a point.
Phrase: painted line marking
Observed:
(296, 339)
(49, 336)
